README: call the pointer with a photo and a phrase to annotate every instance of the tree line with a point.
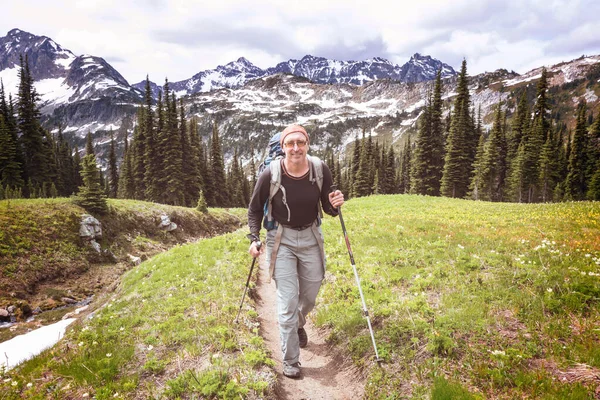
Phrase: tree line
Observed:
(168, 162)
(531, 158)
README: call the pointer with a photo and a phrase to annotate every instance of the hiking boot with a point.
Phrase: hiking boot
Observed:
(291, 370)
(302, 337)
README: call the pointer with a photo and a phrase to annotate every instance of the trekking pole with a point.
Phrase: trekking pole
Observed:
(378, 359)
(258, 244)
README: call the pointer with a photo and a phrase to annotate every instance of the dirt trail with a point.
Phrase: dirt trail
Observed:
(324, 374)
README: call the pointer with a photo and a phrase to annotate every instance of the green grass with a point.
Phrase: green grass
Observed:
(468, 300)
(499, 296)
(168, 331)
(39, 238)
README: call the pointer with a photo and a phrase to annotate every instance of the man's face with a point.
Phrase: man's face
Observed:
(295, 146)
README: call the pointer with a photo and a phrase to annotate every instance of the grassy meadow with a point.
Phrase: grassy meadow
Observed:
(468, 300)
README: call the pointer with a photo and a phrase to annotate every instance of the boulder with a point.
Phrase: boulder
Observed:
(4, 315)
(135, 260)
(90, 228)
(166, 224)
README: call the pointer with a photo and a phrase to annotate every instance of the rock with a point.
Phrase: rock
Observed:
(166, 224)
(37, 311)
(68, 300)
(11, 309)
(96, 246)
(135, 260)
(4, 315)
(90, 228)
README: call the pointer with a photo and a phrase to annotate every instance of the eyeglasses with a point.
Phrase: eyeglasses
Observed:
(292, 143)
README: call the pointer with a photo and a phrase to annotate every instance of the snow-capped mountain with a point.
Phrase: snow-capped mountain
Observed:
(83, 93)
(336, 100)
(316, 69)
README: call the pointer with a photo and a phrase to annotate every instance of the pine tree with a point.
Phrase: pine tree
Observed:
(152, 161)
(461, 144)
(91, 195)
(355, 162)
(89, 145)
(32, 135)
(193, 168)
(171, 180)
(201, 206)
(576, 185)
(10, 168)
(404, 178)
(138, 157)
(421, 157)
(362, 183)
(126, 188)
(594, 161)
(113, 173)
(478, 172)
(494, 162)
(217, 170)
(549, 168)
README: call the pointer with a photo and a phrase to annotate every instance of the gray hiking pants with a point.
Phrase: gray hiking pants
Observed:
(298, 273)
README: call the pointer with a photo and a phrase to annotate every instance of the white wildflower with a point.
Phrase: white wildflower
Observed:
(30, 385)
(108, 355)
(549, 290)
(80, 344)
(150, 347)
(460, 246)
(498, 353)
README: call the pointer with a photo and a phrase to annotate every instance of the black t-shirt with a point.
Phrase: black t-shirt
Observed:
(302, 197)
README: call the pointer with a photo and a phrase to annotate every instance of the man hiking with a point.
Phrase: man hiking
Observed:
(295, 190)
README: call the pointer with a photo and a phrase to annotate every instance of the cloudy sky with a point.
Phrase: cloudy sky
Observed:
(178, 38)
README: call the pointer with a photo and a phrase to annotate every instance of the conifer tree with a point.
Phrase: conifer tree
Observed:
(404, 178)
(126, 188)
(138, 157)
(217, 169)
(461, 144)
(193, 169)
(32, 136)
(494, 161)
(89, 145)
(171, 180)
(202, 206)
(421, 157)
(152, 161)
(188, 161)
(594, 161)
(356, 154)
(10, 169)
(362, 183)
(113, 173)
(549, 168)
(478, 172)
(390, 171)
(576, 185)
(91, 195)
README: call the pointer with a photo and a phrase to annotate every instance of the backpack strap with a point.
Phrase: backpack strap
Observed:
(275, 187)
(316, 176)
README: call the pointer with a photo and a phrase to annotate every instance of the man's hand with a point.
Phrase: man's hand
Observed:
(336, 198)
(255, 249)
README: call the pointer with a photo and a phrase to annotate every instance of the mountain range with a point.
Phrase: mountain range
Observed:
(337, 100)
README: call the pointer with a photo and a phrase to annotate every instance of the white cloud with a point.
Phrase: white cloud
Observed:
(178, 38)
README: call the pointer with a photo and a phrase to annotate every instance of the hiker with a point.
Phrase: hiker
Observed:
(295, 252)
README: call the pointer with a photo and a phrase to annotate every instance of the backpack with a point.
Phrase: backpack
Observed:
(275, 153)
(315, 167)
